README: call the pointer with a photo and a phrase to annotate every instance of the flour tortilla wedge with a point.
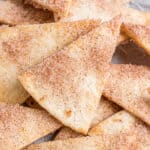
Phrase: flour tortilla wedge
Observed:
(68, 84)
(128, 86)
(20, 126)
(60, 8)
(82, 143)
(123, 131)
(25, 45)
(140, 34)
(14, 12)
(104, 110)
(94, 9)
(105, 10)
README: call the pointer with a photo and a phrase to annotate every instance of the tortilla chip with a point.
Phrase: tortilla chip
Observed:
(105, 10)
(24, 46)
(140, 34)
(128, 86)
(123, 131)
(104, 110)
(68, 84)
(20, 126)
(14, 12)
(60, 8)
(94, 9)
(83, 143)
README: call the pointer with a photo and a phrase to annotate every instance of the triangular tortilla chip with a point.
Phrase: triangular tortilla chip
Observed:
(60, 8)
(123, 131)
(139, 33)
(105, 10)
(20, 126)
(94, 9)
(104, 110)
(83, 143)
(24, 46)
(14, 12)
(128, 86)
(68, 84)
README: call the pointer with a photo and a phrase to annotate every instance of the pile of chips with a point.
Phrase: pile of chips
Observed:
(57, 75)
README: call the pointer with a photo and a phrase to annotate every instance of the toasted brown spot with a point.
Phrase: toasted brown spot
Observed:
(68, 113)
(117, 120)
(81, 130)
(148, 90)
(41, 99)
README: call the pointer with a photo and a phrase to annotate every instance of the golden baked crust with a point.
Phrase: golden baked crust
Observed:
(69, 83)
(139, 33)
(128, 86)
(14, 12)
(20, 126)
(122, 131)
(24, 46)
